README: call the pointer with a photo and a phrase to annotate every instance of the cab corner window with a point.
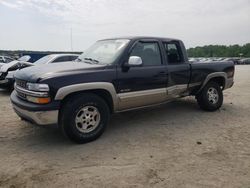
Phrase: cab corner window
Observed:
(149, 52)
(174, 54)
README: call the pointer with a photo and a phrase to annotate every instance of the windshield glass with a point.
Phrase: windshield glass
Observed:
(103, 52)
(43, 60)
(24, 58)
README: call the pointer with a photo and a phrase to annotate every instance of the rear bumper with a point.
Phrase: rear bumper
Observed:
(35, 113)
(229, 83)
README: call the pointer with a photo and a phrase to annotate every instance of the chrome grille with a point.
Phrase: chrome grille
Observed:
(21, 95)
(21, 83)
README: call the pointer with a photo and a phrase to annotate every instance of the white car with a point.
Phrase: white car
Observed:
(56, 58)
(4, 60)
(8, 70)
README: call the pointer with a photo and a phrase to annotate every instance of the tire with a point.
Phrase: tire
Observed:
(211, 97)
(84, 117)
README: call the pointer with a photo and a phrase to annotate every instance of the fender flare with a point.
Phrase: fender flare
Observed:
(109, 87)
(213, 75)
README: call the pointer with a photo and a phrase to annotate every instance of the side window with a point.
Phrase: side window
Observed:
(8, 60)
(72, 58)
(61, 59)
(149, 53)
(173, 52)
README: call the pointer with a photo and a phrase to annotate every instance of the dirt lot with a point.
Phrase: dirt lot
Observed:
(173, 145)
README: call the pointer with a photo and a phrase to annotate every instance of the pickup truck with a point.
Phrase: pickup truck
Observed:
(116, 75)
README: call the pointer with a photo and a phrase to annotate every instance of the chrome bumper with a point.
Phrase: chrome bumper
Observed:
(38, 117)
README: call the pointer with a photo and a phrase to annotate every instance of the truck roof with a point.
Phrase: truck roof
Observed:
(143, 37)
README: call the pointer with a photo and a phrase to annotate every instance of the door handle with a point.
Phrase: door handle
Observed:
(162, 73)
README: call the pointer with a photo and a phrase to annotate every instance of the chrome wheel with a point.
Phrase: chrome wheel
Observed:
(213, 95)
(87, 119)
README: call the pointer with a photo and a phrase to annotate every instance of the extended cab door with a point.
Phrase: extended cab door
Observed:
(178, 68)
(146, 84)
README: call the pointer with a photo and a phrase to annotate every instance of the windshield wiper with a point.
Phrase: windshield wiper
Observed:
(91, 59)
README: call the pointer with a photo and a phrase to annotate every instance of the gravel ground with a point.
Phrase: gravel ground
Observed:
(173, 145)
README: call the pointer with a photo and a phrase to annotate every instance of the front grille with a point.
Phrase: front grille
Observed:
(21, 83)
(21, 95)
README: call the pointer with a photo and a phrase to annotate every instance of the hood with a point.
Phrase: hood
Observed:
(35, 73)
(14, 65)
(5, 67)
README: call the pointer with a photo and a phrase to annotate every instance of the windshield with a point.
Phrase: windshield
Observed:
(103, 52)
(24, 58)
(43, 60)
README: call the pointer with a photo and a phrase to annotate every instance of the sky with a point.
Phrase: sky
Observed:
(51, 24)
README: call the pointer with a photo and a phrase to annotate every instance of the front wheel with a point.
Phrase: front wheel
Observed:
(84, 117)
(211, 97)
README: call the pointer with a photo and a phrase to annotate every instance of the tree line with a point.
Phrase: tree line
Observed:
(220, 51)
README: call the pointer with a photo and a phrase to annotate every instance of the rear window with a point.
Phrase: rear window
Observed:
(173, 52)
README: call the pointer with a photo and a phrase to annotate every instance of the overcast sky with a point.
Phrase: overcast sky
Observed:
(46, 24)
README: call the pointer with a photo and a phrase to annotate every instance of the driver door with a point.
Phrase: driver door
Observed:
(146, 84)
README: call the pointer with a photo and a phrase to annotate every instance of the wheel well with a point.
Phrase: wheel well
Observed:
(219, 80)
(105, 95)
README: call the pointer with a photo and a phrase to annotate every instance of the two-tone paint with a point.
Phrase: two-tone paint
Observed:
(124, 87)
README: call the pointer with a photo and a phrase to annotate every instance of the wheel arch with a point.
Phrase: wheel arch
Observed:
(102, 89)
(218, 77)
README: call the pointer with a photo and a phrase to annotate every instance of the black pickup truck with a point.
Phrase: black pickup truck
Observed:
(116, 75)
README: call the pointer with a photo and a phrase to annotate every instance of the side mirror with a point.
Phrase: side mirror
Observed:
(134, 61)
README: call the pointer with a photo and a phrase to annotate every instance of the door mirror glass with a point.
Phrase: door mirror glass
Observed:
(134, 61)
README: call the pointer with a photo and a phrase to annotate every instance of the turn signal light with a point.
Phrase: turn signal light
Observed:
(38, 100)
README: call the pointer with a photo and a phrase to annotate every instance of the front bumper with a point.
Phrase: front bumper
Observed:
(39, 117)
(35, 113)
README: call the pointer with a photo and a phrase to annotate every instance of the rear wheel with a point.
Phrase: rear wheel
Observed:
(84, 117)
(211, 97)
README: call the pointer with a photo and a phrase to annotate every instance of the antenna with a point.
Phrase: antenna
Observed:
(71, 42)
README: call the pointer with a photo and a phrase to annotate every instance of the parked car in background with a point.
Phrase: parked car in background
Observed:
(4, 60)
(245, 61)
(236, 60)
(8, 70)
(56, 58)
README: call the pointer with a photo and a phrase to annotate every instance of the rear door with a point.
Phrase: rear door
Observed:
(144, 85)
(178, 68)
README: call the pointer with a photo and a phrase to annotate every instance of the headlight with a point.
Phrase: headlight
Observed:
(37, 87)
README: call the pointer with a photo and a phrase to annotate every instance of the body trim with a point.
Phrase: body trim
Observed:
(138, 99)
(195, 84)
